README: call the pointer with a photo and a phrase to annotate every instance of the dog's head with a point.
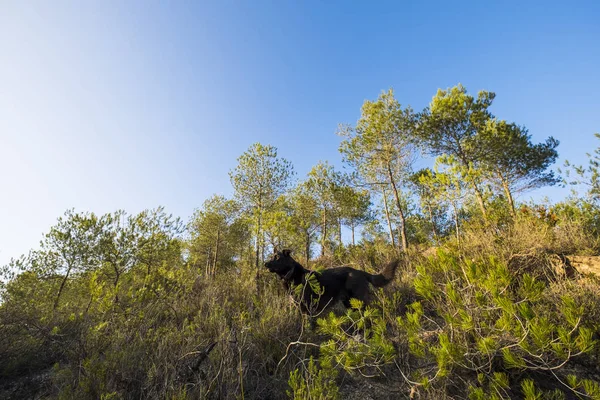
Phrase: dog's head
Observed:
(282, 264)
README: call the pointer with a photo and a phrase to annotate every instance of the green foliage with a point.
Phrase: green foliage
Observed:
(310, 290)
(577, 223)
(381, 148)
(353, 207)
(530, 392)
(260, 176)
(433, 206)
(156, 343)
(586, 387)
(218, 231)
(483, 313)
(586, 176)
(441, 188)
(305, 219)
(323, 183)
(449, 128)
(512, 162)
(357, 340)
(258, 180)
(495, 386)
(315, 382)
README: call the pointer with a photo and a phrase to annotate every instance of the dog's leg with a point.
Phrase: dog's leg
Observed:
(346, 302)
(359, 289)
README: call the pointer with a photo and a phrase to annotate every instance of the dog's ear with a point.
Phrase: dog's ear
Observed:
(286, 252)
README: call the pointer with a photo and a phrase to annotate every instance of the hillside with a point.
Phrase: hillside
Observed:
(492, 299)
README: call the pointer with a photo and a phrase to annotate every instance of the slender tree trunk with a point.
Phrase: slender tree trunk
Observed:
(150, 260)
(387, 216)
(116, 283)
(323, 232)
(400, 211)
(478, 193)
(435, 235)
(480, 201)
(307, 249)
(258, 230)
(262, 250)
(62, 286)
(257, 243)
(214, 266)
(509, 197)
(455, 212)
(207, 266)
(340, 231)
(352, 228)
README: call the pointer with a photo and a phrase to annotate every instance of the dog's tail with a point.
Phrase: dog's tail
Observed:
(385, 276)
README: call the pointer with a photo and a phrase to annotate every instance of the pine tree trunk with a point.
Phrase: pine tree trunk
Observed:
(258, 230)
(207, 266)
(116, 283)
(387, 216)
(400, 211)
(323, 232)
(509, 197)
(478, 193)
(352, 228)
(214, 265)
(307, 249)
(62, 286)
(480, 201)
(455, 212)
(435, 235)
(262, 249)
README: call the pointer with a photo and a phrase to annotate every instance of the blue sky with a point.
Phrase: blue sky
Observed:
(109, 105)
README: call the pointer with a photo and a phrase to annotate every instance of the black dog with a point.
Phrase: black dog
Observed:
(334, 284)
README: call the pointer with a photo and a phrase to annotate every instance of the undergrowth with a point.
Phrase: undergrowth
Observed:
(484, 319)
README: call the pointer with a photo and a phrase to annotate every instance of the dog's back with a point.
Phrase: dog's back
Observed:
(337, 284)
(345, 283)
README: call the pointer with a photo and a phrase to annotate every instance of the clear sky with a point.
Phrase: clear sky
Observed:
(108, 105)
